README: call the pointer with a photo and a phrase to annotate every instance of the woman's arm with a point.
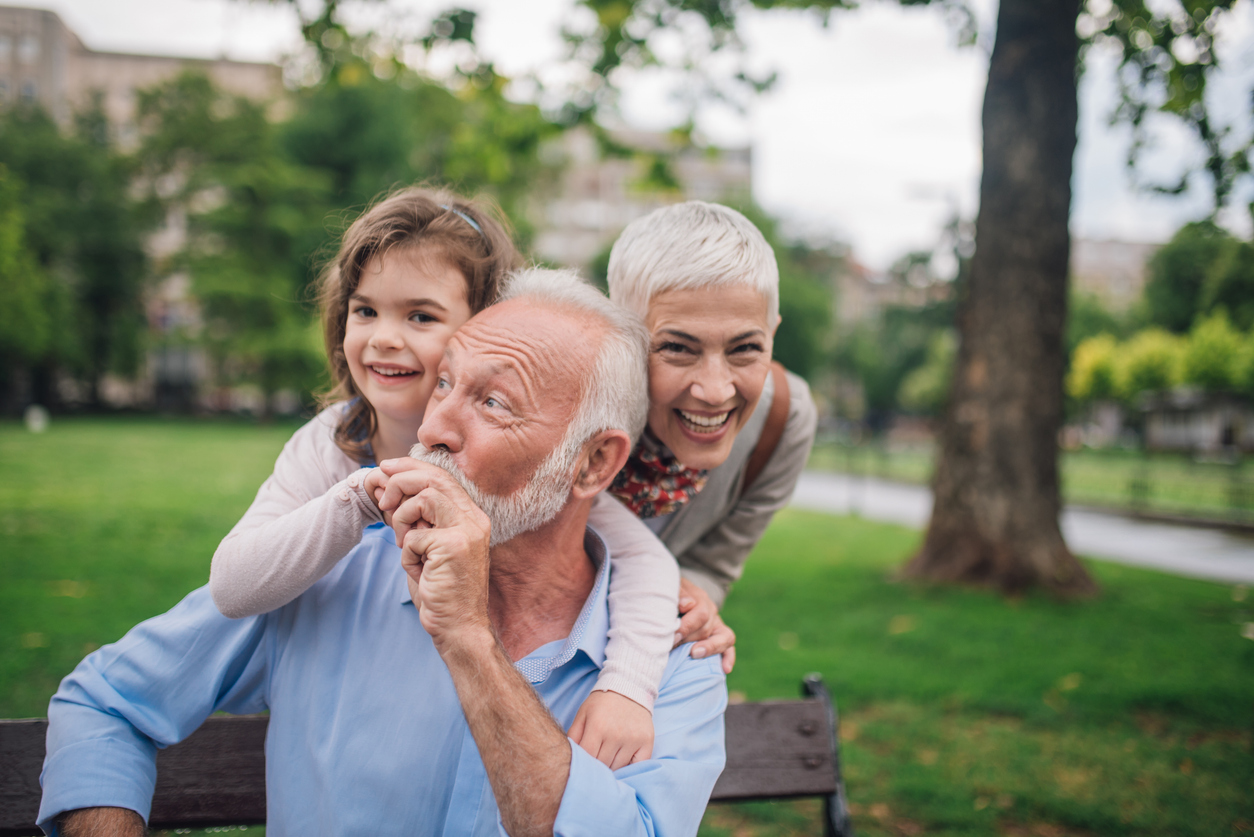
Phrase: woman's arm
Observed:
(715, 561)
(307, 516)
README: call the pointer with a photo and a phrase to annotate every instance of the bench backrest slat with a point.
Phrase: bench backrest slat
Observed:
(217, 776)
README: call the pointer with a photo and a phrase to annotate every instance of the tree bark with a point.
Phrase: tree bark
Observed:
(995, 518)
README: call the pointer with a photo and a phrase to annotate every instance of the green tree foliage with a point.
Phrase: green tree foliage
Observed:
(1088, 316)
(1212, 354)
(25, 304)
(881, 353)
(1178, 274)
(1092, 373)
(1149, 362)
(925, 389)
(85, 233)
(254, 220)
(1230, 284)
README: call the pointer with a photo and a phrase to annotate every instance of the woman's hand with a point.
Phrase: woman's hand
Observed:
(700, 623)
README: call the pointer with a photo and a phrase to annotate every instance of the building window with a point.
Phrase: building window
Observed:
(28, 49)
(6, 47)
(28, 91)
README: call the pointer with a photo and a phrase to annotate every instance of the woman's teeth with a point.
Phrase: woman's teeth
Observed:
(703, 424)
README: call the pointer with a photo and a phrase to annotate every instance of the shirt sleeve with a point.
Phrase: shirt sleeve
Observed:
(307, 516)
(667, 794)
(150, 689)
(643, 602)
(715, 561)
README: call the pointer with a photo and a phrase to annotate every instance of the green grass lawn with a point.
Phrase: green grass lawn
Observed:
(1166, 483)
(963, 713)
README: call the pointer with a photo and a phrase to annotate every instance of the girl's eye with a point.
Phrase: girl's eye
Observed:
(423, 317)
(364, 311)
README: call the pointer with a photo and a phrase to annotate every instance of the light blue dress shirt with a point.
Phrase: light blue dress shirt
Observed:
(366, 732)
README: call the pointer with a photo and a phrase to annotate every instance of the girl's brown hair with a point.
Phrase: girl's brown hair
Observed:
(472, 235)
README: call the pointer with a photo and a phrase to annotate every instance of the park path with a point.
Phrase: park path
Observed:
(1211, 554)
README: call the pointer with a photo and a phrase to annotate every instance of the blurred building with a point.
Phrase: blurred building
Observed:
(1187, 419)
(1113, 271)
(599, 194)
(42, 61)
(862, 293)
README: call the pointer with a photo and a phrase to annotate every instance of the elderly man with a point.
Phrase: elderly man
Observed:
(425, 690)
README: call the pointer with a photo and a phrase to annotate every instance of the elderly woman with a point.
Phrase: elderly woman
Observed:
(729, 431)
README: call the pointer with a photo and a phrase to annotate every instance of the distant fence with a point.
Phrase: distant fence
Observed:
(1217, 489)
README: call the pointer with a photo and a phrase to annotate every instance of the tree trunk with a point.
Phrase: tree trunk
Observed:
(995, 518)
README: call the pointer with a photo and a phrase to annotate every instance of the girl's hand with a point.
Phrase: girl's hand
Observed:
(376, 483)
(615, 730)
(702, 624)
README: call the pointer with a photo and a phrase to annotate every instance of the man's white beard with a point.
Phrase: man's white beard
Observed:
(528, 508)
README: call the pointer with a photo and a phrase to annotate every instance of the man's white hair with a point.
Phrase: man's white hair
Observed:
(616, 391)
(687, 246)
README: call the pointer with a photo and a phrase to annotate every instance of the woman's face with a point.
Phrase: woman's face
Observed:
(709, 355)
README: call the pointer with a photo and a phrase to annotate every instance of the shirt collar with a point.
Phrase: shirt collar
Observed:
(591, 629)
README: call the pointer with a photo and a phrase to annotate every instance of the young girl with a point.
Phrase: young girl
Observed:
(409, 272)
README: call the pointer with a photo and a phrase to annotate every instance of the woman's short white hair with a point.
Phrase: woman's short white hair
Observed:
(616, 391)
(687, 246)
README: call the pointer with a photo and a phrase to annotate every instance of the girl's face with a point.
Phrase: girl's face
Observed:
(709, 355)
(407, 305)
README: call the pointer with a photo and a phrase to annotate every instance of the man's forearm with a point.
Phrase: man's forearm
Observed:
(102, 822)
(525, 752)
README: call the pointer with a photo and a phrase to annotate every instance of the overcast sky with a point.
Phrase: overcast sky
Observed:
(871, 135)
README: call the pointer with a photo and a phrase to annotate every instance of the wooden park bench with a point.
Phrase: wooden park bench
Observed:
(775, 750)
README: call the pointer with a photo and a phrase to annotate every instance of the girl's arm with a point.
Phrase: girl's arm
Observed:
(615, 723)
(307, 516)
(643, 598)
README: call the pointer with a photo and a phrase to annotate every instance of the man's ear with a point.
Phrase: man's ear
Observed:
(603, 457)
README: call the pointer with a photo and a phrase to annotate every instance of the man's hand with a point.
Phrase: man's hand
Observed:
(614, 729)
(702, 624)
(444, 538)
(102, 822)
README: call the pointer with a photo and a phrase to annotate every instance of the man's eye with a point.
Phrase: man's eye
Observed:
(674, 347)
(442, 383)
(491, 402)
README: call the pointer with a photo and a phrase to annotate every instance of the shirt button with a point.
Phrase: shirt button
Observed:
(344, 495)
(354, 480)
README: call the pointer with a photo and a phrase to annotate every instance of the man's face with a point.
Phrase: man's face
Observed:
(507, 389)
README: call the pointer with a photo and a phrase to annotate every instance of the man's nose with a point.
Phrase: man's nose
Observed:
(714, 384)
(441, 424)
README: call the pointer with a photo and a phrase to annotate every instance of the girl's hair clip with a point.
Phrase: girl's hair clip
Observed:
(464, 217)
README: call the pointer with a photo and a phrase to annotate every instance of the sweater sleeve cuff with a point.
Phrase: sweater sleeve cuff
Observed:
(353, 489)
(612, 681)
(99, 772)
